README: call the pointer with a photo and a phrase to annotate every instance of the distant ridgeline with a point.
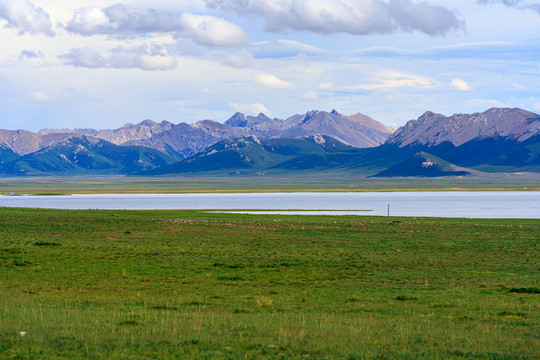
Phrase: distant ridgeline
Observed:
(318, 142)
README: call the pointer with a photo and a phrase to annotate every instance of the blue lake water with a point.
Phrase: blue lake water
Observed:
(472, 204)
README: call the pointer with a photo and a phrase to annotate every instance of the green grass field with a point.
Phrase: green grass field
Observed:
(184, 284)
(302, 182)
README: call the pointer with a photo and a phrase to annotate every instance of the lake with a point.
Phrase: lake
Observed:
(469, 204)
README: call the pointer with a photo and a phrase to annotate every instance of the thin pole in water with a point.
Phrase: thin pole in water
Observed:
(388, 210)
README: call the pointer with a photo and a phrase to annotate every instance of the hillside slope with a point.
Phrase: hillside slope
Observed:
(253, 154)
(81, 155)
(424, 165)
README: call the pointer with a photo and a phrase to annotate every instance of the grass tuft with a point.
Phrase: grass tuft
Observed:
(405, 298)
(128, 323)
(47, 243)
(230, 278)
(265, 302)
(528, 290)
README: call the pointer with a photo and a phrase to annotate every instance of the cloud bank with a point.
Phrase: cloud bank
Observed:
(122, 20)
(356, 17)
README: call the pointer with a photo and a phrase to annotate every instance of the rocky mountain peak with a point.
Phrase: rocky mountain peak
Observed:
(433, 129)
(237, 120)
(311, 115)
(357, 130)
(368, 122)
(430, 114)
(147, 122)
(263, 117)
(207, 124)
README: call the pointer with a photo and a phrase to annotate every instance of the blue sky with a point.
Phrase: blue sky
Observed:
(101, 64)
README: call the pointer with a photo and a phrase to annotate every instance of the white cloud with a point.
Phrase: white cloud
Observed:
(186, 47)
(84, 57)
(41, 97)
(394, 80)
(25, 17)
(212, 31)
(392, 84)
(357, 17)
(461, 85)
(240, 60)
(272, 81)
(309, 96)
(144, 58)
(421, 16)
(209, 91)
(28, 54)
(155, 62)
(536, 107)
(250, 109)
(326, 86)
(90, 21)
(122, 20)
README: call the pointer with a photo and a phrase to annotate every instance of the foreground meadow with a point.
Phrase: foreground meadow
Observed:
(181, 284)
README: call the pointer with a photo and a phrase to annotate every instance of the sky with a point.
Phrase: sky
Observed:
(100, 64)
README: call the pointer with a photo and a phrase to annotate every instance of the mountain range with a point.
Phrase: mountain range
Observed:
(497, 140)
(185, 140)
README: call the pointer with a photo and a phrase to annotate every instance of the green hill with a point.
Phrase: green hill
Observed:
(424, 165)
(7, 155)
(82, 156)
(254, 154)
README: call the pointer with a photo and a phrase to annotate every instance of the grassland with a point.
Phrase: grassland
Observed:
(184, 284)
(303, 182)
